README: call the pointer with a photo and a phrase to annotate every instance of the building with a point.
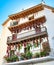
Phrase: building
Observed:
(26, 36)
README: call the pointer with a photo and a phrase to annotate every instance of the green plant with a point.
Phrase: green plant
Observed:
(19, 47)
(28, 55)
(8, 59)
(42, 54)
(33, 56)
(14, 58)
(22, 56)
(37, 55)
(29, 46)
(11, 59)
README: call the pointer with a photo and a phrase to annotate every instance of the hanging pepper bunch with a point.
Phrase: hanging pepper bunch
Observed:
(8, 50)
(34, 44)
(25, 44)
(19, 46)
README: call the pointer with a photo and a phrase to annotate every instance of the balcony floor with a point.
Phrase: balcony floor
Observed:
(31, 61)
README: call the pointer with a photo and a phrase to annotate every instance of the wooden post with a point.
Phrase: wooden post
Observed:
(40, 46)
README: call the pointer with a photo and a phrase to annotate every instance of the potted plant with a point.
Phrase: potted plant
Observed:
(15, 58)
(33, 56)
(28, 46)
(44, 53)
(28, 55)
(37, 55)
(11, 59)
(7, 58)
(23, 56)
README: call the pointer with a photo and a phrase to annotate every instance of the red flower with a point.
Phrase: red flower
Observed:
(24, 44)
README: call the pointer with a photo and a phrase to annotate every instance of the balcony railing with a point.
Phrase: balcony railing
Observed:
(27, 35)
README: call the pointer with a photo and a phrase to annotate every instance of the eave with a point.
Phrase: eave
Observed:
(49, 7)
(53, 10)
(31, 10)
(27, 12)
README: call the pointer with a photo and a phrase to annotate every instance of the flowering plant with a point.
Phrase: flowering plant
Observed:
(5, 57)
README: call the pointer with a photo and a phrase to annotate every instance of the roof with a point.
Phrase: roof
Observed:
(31, 10)
(28, 11)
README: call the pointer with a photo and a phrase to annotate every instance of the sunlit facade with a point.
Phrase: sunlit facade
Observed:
(26, 37)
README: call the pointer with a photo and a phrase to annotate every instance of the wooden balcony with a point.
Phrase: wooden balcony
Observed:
(18, 27)
(27, 35)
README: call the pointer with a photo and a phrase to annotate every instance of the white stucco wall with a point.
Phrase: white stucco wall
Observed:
(36, 15)
(46, 63)
(3, 41)
(50, 25)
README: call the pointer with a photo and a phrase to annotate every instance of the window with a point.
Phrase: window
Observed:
(31, 17)
(15, 23)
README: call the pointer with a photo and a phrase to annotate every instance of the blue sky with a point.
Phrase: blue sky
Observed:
(8, 7)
